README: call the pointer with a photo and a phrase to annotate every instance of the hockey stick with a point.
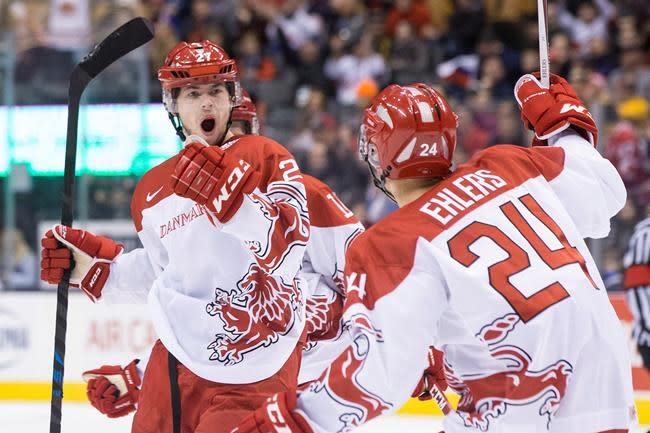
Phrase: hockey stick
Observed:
(542, 24)
(125, 39)
(441, 399)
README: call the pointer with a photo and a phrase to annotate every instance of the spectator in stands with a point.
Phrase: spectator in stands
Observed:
(311, 65)
(463, 27)
(628, 148)
(632, 77)
(414, 12)
(471, 136)
(252, 64)
(508, 125)
(345, 25)
(312, 120)
(197, 26)
(589, 22)
(291, 24)
(600, 56)
(591, 86)
(560, 53)
(350, 70)
(529, 60)
(507, 17)
(493, 79)
(409, 58)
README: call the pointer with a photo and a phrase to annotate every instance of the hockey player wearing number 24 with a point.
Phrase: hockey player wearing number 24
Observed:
(224, 226)
(489, 264)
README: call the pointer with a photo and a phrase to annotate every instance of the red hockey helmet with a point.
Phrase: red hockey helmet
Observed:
(246, 113)
(197, 63)
(408, 132)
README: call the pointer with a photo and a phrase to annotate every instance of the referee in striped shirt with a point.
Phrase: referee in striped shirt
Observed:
(636, 280)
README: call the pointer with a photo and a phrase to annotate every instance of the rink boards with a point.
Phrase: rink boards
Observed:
(99, 334)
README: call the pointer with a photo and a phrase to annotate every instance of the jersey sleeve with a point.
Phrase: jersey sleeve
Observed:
(636, 281)
(273, 220)
(333, 228)
(133, 273)
(587, 184)
(390, 315)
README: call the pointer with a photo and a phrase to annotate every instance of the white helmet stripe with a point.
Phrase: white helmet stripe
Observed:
(406, 153)
(382, 112)
(413, 91)
(425, 112)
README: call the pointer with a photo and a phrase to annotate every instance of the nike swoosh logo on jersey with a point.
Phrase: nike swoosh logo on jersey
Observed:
(151, 195)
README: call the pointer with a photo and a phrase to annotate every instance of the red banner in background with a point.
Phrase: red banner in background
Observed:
(640, 375)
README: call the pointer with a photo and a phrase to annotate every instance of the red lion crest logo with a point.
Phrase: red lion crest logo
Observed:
(363, 404)
(262, 307)
(256, 315)
(483, 398)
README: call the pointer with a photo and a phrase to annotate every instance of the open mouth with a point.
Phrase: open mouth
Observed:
(207, 125)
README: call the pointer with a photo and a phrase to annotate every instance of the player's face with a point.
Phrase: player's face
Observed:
(204, 110)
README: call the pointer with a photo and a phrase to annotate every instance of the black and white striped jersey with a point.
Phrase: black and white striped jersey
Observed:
(636, 280)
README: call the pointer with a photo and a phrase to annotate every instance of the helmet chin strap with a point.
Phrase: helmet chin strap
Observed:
(178, 127)
(380, 182)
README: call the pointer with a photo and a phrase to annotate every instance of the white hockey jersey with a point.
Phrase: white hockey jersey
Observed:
(333, 228)
(224, 299)
(490, 266)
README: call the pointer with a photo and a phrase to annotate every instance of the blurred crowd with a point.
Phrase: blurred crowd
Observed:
(312, 66)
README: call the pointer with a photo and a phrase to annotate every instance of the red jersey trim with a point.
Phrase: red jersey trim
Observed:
(325, 208)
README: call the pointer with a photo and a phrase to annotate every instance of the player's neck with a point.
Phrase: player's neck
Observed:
(407, 191)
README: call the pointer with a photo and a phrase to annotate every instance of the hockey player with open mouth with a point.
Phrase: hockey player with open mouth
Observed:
(114, 390)
(487, 262)
(224, 226)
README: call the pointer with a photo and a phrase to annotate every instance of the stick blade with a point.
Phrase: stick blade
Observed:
(125, 39)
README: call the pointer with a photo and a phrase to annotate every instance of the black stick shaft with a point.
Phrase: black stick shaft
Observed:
(78, 81)
(125, 39)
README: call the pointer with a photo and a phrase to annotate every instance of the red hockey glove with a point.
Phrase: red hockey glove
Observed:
(434, 375)
(113, 390)
(550, 111)
(211, 177)
(275, 416)
(92, 257)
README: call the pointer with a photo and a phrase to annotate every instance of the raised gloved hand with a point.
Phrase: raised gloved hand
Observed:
(551, 111)
(211, 177)
(433, 375)
(113, 390)
(275, 415)
(90, 257)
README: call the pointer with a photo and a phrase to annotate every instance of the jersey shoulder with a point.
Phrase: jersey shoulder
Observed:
(519, 163)
(272, 160)
(325, 208)
(152, 187)
(392, 241)
(255, 149)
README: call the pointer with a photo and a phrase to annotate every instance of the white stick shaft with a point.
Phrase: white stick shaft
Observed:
(544, 67)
